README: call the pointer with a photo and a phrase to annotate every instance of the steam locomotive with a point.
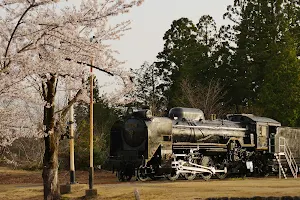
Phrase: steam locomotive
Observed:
(186, 144)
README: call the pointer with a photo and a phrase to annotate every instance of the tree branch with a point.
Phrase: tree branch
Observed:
(65, 110)
(93, 66)
(14, 31)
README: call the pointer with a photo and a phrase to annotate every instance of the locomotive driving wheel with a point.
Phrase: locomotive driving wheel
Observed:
(126, 172)
(207, 162)
(173, 176)
(261, 168)
(221, 166)
(189, 176)
(142, 173)
(122, 176)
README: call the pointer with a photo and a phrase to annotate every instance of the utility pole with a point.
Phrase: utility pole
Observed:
(72, 160)
(91, 174)
(91, 191)
(65, 189)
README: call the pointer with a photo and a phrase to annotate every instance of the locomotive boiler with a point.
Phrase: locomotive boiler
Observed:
(187, 144)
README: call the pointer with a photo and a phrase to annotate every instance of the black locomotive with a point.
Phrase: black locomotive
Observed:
(187, 144)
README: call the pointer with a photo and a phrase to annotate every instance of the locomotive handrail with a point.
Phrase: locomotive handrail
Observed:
(291, 161)
(198, 144)
(211, 127)
(284, 148)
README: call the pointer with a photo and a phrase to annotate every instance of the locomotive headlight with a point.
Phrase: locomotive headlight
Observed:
(148, 114)
(129, 111)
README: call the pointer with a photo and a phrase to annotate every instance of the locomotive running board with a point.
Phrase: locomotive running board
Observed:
(194, 168)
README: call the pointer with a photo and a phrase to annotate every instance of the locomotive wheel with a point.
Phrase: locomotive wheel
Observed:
(123, 177)
(173, 176)
(189, 176)
(153, 177)
(220, 166)
(207, 162)
(142, 174)
(261, 169)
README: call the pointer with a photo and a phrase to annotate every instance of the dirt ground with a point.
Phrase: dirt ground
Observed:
(18, 184)
(8, 176)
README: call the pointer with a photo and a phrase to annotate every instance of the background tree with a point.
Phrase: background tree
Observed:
(149, 88)
(207, 98)
(280, 93)
(192, 52)
(223, 68)
(264, 32)
(207, 33)
(20, 142)
(180, 45)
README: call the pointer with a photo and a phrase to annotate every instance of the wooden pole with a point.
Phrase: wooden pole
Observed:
(72, 160)
(91, 171)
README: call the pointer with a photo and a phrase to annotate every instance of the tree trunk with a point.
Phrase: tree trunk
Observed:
(50, 169)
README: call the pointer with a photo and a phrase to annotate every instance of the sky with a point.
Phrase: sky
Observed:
(151, 20)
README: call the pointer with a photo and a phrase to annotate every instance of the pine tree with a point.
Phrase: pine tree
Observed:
(265, 56)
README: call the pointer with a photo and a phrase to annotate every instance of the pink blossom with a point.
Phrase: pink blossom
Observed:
(39, 40)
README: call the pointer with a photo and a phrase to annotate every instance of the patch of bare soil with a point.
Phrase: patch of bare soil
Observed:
(8, 176)
(28, 185)
(82, 177)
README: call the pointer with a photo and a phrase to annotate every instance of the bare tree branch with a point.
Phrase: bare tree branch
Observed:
(207, 98)
(93, 66)
(65, 110)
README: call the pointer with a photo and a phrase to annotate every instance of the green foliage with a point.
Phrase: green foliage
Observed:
(256, 34)
(265, 63)
(149, 88)
(280, 93)
(82, 150)
(180, 45)
(189, 52)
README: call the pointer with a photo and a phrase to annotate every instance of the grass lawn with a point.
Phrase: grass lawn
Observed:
(18, 184)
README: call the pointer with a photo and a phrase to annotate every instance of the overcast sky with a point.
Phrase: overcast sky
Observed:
(151, 20)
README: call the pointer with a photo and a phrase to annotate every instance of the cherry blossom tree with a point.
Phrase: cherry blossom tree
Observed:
(25, 118)
(20, 115)
(44, 45)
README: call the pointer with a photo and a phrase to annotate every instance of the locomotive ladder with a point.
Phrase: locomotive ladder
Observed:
(285, 150)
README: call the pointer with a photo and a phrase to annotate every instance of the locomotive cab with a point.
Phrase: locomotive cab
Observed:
(260, 130)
